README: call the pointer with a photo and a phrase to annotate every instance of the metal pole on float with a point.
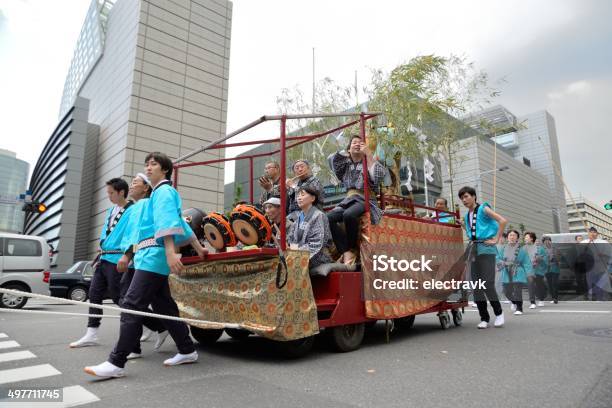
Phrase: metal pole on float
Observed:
(283, 178)
(252, 180)
(366, 184)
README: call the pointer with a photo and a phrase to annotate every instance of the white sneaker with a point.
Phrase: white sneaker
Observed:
(89, 339)
(161, 338)
(552, 301)
(105, 370)
(182, 359)
(506, 301)
(532, 306)
(513, 307)
(483, 325)
(499, 320)
(146, 334)
(132, 356)
(540, 303)
(518, 313)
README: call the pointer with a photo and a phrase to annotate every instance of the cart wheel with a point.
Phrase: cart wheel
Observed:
(457, 317)
(404, 323)
(238, 334)
(206, 336)
(347, 337)
(444, 320)
(296, 348)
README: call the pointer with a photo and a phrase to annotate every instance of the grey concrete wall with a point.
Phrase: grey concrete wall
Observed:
(520, 191)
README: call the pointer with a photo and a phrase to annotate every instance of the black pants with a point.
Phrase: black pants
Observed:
(346, 239)
(514, 293)
(150, 323)
(105, 280)
(537, 288)
(553, 285)
(148, 288)
(483, 268)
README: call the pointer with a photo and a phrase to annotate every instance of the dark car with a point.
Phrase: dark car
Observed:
(74, 283)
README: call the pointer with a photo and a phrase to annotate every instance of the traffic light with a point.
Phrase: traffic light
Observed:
(34, 207)
(608, 206)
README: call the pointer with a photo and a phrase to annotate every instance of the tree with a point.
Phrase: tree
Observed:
(422, 102)
(330, 97)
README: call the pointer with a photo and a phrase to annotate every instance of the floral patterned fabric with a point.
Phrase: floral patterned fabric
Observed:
(410, 239)
(244, 291)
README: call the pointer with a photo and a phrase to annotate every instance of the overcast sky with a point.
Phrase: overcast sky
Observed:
(555, 55)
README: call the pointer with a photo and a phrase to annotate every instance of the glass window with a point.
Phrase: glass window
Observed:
(88, 271)
(22, 247)
(74, 268)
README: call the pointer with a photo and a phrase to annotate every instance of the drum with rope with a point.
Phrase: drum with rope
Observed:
(218, 232)
(250, 225)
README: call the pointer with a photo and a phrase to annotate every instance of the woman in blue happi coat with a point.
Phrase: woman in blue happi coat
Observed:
(514, 265)
(539, 262)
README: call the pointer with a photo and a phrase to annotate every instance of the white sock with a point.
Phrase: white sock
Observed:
(92, 331)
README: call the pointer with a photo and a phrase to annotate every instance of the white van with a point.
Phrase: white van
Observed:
(24, 265)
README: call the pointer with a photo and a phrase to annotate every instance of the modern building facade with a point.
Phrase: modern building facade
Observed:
(63, 179)
(155, 73)
(13, 183)
(532, 140)
(584, 214)
(519, 193)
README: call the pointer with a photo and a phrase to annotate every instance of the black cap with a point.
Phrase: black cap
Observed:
(592, 229)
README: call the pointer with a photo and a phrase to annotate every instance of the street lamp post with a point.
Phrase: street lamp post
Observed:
(478, 177)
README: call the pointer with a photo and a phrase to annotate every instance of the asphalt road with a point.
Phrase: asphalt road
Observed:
(556, 356)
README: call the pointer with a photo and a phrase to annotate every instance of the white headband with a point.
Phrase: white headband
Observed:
(144, 178)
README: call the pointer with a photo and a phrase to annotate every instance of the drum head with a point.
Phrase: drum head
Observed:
(214, 236)
(245, 232)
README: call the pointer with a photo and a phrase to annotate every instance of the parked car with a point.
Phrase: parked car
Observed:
(74, 283)
(25, 266)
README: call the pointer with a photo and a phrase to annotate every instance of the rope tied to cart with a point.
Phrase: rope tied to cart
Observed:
(106, 307)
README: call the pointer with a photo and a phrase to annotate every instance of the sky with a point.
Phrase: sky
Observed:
(553, 55)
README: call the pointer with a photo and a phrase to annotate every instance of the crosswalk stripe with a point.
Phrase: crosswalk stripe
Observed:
(16, 355)
(3, 336)
(77, 395)
(27, 373)
(71, 397)
(8, 344)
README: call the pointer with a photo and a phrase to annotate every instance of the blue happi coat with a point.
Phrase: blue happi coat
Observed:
(161, 217)
(113, 241)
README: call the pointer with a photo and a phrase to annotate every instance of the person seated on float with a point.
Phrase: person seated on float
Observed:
(302, 177)
(348, 168)
(311, 230)
(272, 208)
(269, 182)
(442, 215)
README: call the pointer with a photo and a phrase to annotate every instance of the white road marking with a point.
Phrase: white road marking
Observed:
(72, 397)
(3, 335)
(8, 344)
(77, 395)
(575, 311)
(27, 373)
(16, 355)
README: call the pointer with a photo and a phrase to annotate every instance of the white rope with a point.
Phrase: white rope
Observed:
(115, 308)
(55, 313)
